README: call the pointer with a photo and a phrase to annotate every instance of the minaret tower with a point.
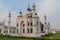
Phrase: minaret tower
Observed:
(45, 23)
(9, 22)
(33, 7)
(48, 27)
(34, 20)
(4, 22)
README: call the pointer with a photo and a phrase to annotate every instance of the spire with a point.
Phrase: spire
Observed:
(49, 24)
(9, 22)
(45, 23)
(9, 14)
(45, 16)
(29, 9)
(33, 6)
(4, 21)
(48, 27)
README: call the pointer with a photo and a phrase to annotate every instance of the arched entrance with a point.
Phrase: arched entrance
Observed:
(22, 27)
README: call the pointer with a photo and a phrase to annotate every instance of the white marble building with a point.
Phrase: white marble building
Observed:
(28, 25)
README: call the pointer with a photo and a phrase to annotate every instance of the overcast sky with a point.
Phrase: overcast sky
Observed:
(49, 7)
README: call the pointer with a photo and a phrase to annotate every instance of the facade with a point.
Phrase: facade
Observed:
(28, 25)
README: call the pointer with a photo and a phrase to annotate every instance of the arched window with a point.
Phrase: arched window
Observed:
(0, 30)
(23, 25)
(23, 30)
(31, 23)
(17, 30)
(28, 30)
(28, 23)
(37, 22)
(31, 30)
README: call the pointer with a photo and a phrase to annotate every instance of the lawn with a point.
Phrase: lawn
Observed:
(44, 37)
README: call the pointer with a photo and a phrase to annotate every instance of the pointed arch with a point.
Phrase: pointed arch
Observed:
(22, 24)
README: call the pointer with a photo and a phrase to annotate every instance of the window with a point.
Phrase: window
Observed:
(13, 31)
(28, 30)
(0, 30)
(10, 31)
(23, 25)
(17, 30)
(31, 30)
(23, 30)
(31, 23)
(30, 16)
(28, 23)
(17, 24)
(37, 23)
(5, 31)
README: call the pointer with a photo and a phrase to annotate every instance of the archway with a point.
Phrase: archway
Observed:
(22, 27)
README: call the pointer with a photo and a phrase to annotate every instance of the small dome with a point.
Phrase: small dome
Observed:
(20, 12)
(28, 9)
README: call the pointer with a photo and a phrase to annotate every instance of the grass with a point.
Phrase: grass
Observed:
(44, 37)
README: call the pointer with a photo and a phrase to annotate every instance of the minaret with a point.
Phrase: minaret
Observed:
(45, 23)
(33, 10)
(4, 22)
(48, 27)
(33, 7)
(9, 22)
(34, 19)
